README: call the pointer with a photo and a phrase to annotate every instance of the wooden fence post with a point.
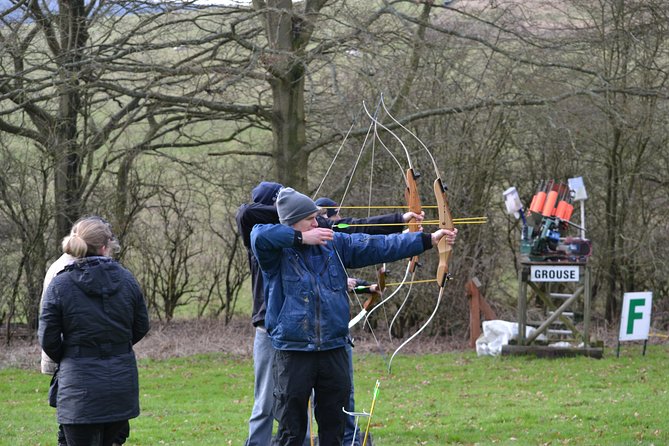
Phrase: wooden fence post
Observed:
(477, 305)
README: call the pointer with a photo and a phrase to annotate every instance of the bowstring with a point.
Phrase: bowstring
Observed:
(345, 194)
(341, 202)
(377, 137)
(377, 123)
(371, 330)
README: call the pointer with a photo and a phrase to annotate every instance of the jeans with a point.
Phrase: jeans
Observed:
(262, 415)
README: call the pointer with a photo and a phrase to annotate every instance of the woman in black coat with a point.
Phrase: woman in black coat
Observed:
(93, 313)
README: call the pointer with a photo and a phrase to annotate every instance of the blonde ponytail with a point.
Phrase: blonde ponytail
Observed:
(74, 245)
(87, 238)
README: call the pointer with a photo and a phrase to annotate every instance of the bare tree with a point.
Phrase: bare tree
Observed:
(90, 89)
(24, 213)
(167, 251)
(500, 96)
(231, 277)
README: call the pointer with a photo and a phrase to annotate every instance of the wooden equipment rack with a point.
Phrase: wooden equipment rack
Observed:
(547, 295)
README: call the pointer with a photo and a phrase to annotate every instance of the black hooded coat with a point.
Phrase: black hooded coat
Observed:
(93, 313)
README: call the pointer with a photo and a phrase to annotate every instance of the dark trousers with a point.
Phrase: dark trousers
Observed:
(122, 436)
(295, 374)
(103, 434)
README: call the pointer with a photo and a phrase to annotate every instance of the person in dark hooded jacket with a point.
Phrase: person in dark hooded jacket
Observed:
(92, 314)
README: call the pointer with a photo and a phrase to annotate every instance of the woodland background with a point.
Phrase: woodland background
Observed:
(162, 117)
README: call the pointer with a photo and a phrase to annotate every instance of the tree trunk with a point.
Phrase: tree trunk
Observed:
(612, 228)
(67, 155)
(67, 188)
(288, 128)
(288, 34)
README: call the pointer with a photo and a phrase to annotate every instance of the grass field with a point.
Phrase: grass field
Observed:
(439, 399)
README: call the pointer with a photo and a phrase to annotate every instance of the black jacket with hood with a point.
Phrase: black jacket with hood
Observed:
(92, 314)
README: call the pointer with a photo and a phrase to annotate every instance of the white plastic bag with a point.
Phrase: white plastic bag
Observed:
(497, 333)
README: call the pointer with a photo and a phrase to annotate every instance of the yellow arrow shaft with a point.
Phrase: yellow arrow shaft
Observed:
(456, 221)
(411, 282)
(401, 206)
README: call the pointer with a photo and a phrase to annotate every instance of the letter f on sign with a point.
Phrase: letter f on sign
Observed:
(633, 314)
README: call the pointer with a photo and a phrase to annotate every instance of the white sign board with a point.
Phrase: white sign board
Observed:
(635, 318)
(554, 273)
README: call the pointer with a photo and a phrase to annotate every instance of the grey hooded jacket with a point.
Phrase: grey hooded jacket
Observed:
(92, 314)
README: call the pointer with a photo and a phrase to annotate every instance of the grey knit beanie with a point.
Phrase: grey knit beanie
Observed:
(293, 206)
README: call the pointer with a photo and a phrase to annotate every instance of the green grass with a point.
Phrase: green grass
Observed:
(444, 399)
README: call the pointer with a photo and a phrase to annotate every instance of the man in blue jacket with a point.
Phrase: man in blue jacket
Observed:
(262, 210)
(307, 309)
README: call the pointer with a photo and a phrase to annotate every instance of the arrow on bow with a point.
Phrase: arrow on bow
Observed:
(456, 221)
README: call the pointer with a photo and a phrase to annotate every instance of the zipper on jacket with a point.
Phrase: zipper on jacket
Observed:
(325, 270)
(317, 325)
(315, 286)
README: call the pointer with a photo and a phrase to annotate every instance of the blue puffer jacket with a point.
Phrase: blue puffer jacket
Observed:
(305, 286)
(92, 314)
